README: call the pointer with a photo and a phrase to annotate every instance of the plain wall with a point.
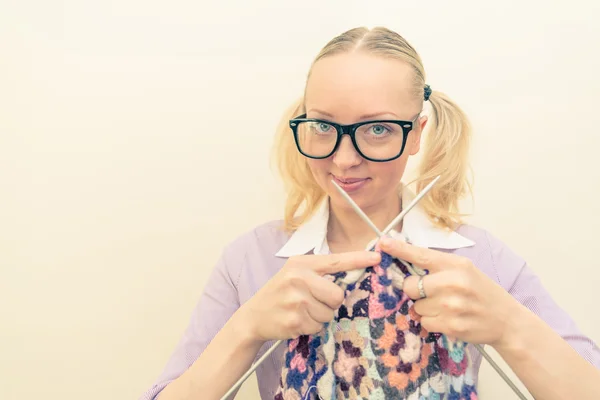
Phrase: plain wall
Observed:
(135, 140)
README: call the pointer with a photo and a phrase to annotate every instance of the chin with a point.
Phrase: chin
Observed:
(362, 196)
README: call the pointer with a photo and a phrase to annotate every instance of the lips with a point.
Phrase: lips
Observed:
(350, 184)
(349, 180)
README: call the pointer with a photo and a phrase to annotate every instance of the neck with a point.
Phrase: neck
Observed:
(347, 230)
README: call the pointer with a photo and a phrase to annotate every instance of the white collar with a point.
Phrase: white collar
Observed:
(416, 227)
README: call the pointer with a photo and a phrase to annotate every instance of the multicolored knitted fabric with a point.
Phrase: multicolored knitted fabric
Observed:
(375, 348)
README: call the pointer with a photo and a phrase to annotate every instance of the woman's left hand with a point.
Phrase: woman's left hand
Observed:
(461, 301)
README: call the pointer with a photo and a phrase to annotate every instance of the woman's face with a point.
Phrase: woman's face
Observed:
(354, 87)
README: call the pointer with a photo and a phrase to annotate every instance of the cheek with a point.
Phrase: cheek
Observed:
(390, 172)
(319, 168)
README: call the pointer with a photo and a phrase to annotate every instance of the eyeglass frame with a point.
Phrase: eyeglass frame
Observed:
(350, 130)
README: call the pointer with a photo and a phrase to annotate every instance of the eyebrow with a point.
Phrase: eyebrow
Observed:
(362, 117)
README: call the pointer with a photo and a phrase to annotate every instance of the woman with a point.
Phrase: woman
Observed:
(273, 282)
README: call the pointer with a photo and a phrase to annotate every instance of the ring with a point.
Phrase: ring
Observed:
(420, 286)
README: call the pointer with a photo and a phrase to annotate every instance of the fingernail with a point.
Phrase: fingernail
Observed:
(375, 256)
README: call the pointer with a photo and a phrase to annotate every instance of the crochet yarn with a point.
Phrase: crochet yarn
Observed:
(375, 348)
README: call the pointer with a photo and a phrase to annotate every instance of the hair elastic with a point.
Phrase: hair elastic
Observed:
(427, 91)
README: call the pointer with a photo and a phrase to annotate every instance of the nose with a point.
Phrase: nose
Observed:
(346, 155)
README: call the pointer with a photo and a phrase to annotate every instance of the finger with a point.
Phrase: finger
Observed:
(433, 324)
(310, 326)
(338, 262)
(432, 260)
(319, 312)
(325, 291)
(428, 307)
(431, 285)
(410, 287)
(303, 324)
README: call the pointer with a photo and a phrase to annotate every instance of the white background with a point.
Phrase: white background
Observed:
(135, 139)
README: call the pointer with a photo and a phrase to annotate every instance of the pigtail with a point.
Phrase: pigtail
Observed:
(445, 153)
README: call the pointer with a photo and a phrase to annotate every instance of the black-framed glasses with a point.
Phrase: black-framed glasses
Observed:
(375, 140)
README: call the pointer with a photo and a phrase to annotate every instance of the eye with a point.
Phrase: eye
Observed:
(379, 130)
(321, 127)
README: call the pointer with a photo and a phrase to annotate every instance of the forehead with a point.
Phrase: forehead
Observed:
(348, 86)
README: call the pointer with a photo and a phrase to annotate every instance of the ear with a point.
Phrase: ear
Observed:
(422, 122)
(414, 138)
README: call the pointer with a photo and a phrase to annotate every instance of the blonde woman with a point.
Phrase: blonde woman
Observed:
(357, 123)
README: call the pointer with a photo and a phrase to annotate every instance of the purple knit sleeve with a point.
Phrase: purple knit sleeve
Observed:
(526, 287)
(216, 305)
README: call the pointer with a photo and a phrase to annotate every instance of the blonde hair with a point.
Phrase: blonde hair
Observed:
(445, 151)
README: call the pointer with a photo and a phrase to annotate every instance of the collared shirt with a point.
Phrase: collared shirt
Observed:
(250, 260)
(416, 227)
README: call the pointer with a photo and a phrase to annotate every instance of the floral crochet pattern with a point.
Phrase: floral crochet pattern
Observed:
(375, 349)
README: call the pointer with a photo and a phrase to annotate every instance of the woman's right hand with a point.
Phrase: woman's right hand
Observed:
(298, 300)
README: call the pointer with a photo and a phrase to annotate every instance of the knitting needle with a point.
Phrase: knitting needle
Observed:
(396, 220)
(500, 372)
(394, 223)
(251, 369)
